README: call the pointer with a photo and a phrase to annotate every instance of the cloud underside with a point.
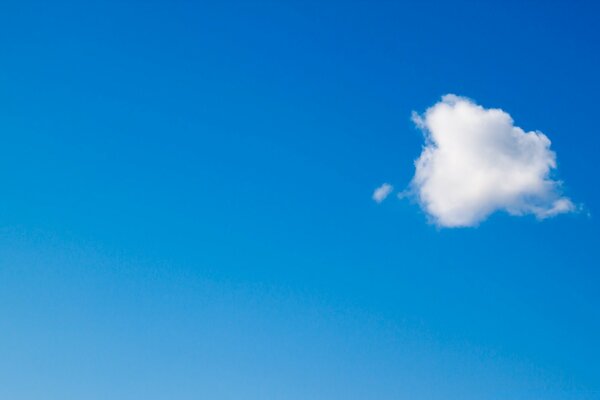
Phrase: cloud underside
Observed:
(475, 162)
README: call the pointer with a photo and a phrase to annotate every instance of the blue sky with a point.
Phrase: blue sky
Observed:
(186, 212)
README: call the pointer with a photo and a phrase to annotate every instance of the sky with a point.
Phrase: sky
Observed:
(189, 204)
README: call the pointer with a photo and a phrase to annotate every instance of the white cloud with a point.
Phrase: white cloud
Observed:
(475, 161)
(382, 192)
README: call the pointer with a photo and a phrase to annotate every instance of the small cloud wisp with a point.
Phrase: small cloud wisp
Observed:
(382, 192)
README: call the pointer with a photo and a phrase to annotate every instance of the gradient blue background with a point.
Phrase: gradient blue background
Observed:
(185, 206)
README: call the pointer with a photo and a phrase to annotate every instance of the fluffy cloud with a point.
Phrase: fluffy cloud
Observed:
(382, 192)
(475, 161)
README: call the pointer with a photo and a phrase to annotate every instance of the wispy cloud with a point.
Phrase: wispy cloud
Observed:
(382, 192)
(475, 161)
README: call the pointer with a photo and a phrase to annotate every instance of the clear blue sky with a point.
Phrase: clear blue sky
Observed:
(186, 213)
